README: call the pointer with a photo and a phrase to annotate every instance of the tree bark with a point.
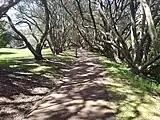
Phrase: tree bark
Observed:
(29, 46)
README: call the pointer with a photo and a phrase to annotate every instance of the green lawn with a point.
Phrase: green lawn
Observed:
(133, 98)
(11, 53)
(23, 60)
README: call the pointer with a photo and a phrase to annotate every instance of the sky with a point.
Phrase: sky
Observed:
(11, 13)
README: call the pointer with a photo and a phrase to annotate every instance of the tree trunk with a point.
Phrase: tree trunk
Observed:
(37, 53)
(38, 56)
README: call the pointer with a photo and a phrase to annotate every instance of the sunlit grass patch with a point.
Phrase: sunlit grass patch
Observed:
(15, 53)
(11, 53)
(131, 96)
(23, 60)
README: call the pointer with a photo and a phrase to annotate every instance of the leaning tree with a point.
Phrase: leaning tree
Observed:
(29, 14)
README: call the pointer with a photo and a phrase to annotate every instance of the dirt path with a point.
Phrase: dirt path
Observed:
(81, 94)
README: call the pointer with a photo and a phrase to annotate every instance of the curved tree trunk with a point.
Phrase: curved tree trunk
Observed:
(37, 55)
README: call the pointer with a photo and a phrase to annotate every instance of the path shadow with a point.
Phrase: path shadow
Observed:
(23, 82)
(81, 95)
(13, 83)
(20, 87)
(6, 53)
(130, 95)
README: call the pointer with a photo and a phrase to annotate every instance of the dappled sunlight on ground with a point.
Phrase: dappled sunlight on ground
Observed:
(23, 82)
(67, 88)
(131, 102)
(81, 95)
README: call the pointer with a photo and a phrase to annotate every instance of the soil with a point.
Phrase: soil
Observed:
(80, 94)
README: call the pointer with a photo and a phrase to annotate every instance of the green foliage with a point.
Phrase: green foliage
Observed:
(5, 38)
(131, 96)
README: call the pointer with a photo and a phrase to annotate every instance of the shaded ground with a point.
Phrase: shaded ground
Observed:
(64, 87)
(23, 82)
(19, 91)
(133, 98)
(81, 94)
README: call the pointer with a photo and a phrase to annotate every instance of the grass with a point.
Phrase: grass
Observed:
(8, 53)
(133, 98)
(24, 81)
(23, 60)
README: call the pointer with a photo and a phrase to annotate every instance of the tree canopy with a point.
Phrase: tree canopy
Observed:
(80, 59)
